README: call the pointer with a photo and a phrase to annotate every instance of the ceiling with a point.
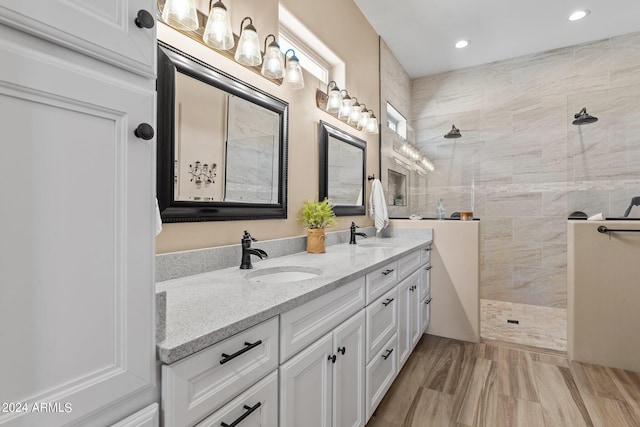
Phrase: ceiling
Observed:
(422, 33)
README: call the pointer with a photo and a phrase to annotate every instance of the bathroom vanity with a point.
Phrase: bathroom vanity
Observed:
(304, 339)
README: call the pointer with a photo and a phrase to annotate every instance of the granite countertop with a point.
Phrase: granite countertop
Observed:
(206, 308)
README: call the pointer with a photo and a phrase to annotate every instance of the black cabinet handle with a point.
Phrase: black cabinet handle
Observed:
(342, 350)
(332, 358)
(144, 19)
(386, 356)
(384, 273)
(412, 288)
(388, 301)
(428, 268)
(249, 346)
(144, 131)
(427, 249)
(428, 301)
(249, 409)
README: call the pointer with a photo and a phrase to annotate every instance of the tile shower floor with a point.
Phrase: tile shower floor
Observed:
(453, 383)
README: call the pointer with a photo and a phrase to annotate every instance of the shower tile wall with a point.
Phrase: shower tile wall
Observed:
(526, 167)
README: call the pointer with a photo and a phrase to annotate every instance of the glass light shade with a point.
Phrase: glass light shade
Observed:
(364, 119)
(354, 117)
(248, 52)
(334, 101)
(273, 63)
(372, 124)
(345, 108)
(218, 33)
(181, 14)
(293, 75)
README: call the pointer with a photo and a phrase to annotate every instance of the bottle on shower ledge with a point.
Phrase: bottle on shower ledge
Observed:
(440, 209)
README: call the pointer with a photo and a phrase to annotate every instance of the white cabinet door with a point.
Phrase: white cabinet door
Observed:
(380, 373)
(77, 250)
(382, 321)
(348, 373)
(147, 417)
(408, 316)
(306, 386)
(106, 30)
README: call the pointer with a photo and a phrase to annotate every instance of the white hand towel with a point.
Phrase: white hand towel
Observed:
(158, 219)
(378, 206)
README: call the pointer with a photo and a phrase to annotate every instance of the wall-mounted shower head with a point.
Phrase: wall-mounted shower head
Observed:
(453, 133)
(634, 202)
(582, 118)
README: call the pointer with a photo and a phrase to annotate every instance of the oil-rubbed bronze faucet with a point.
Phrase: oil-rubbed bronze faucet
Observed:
(247, 251)
(352, 240)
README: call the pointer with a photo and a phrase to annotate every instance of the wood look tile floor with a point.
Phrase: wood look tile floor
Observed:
(456, 384)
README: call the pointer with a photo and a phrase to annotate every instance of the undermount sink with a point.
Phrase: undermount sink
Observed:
(283, 274)
(374, 245)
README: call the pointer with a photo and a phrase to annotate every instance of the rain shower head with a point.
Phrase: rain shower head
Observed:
(634, 202)
(453, 133)
(582, 118)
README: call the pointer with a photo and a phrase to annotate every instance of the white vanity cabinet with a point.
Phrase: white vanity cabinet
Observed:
(112, 31)
(381, 371)
(77, 259)
(409, 325)
(323, 385)
(195, 387)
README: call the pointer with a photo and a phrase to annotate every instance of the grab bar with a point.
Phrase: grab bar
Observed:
(603, 229)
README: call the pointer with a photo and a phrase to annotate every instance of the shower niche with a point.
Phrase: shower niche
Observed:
(397, 188)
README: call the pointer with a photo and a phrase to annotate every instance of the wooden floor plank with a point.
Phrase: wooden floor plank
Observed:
(455, 384)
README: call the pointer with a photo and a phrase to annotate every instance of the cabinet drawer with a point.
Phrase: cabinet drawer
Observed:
(381, 280)
(408, 264)
(200, 384)
(382, 321)
(381, 372)
(425, 283)
(305, 324)
(425, 255)
(425, 315)
(258, 405)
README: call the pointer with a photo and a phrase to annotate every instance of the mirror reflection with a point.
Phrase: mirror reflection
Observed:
(222, 148)
(342, 170)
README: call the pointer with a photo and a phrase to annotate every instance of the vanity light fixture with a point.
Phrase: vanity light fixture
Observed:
(346, 106)
(273, 61)
(372, 124)
(579, 14)
(181, 14)
(461, 44)
(334, 100)
(364, 118)
(248, 51)
(293, 77)
(356, 110)
(218, 33)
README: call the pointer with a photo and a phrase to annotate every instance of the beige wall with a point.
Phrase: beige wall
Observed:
(604, 295)
(351, 37)
(454, 279)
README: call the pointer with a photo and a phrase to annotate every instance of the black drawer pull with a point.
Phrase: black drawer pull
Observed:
(249, 346)
(386, 356)
(428, 301)
(428, 268)
(388, 301)
(342, 350)
(144, 19)
(384, 273)
(413, 288)
(332, 358)
(427, 249)
(249, 409)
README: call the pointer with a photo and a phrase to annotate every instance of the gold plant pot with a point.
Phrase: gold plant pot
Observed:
(315, 240)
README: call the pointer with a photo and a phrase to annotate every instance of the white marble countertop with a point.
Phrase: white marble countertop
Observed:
(206, 308)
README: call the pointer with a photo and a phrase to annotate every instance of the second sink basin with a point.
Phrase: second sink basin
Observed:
(283, 274)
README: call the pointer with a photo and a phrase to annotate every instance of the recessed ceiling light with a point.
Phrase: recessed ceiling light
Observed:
(462, 44)
(578, 14)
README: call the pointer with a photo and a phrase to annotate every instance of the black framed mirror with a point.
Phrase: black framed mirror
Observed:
(222, 144)
(342, 170)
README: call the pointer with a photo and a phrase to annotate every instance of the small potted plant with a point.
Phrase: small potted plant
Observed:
(316, 216)
(399, 199)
